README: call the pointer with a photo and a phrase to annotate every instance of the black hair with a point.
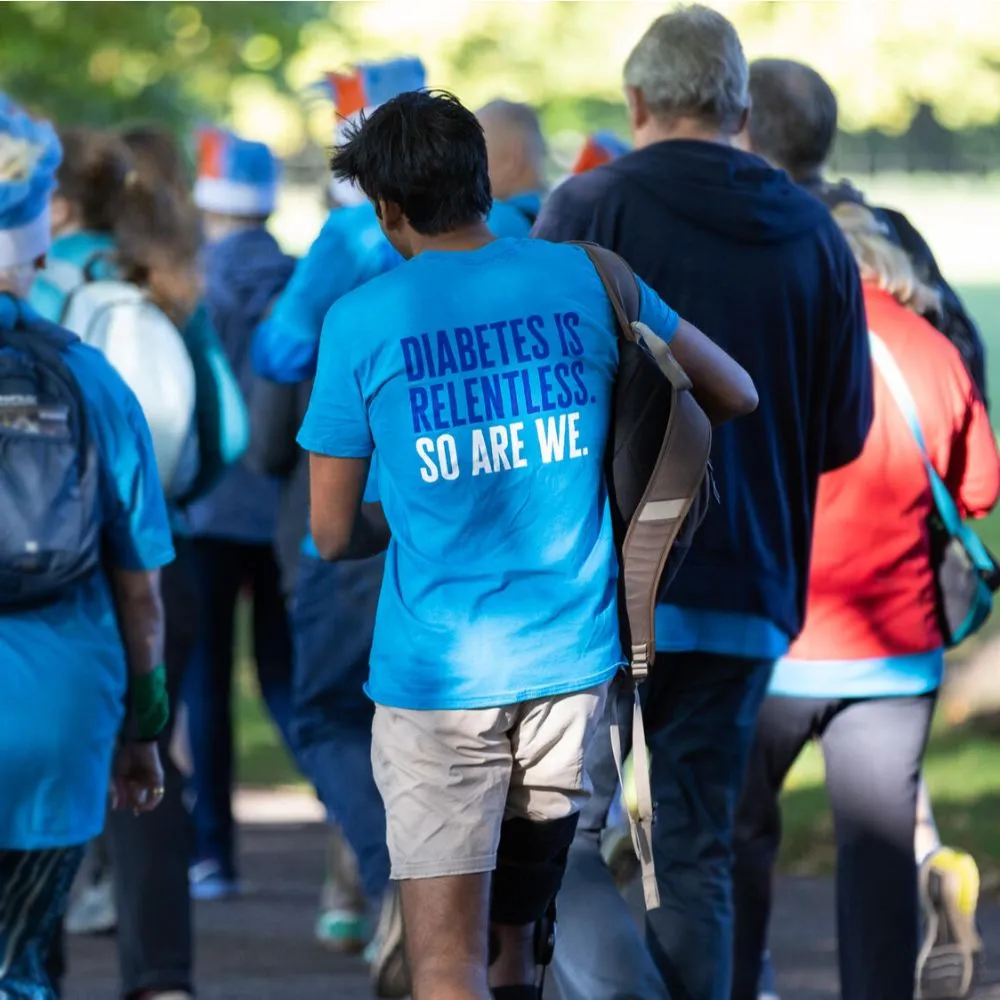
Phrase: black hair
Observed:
(424, 152)
(793, 116)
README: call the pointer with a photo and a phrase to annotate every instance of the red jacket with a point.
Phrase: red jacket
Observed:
(871, 589)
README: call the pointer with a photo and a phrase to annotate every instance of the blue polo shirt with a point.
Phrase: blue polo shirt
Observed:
(63, 676)
(487, 394)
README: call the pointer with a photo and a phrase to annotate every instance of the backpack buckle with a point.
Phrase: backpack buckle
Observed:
(640, 663)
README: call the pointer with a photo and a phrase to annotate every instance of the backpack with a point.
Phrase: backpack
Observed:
(660, 485)
(148, 352)
(965, 574)
(50, 531)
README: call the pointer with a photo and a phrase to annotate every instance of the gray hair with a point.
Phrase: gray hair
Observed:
(690, 63)
(793, 117)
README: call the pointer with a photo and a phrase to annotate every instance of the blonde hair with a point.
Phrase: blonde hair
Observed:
(883, 262)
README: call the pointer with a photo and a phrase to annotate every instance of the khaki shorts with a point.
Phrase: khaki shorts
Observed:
(450, 778)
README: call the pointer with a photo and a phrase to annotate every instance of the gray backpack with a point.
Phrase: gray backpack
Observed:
(50, 532)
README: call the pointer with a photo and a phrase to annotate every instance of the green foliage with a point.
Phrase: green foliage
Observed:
(105, 63)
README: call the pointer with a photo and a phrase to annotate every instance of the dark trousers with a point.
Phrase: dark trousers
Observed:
(700, 711)
(34, 889)
(333, 621)
(150, 853)
(873, 750)
(224, 568)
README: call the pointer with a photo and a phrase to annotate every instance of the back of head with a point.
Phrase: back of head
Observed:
(516, 147)
(360, 90)
(237, 183)
(29, 157)
(881, 261)
(793, 116)
(690, 64)
(425, 153)
(92, 177)
(157, 156)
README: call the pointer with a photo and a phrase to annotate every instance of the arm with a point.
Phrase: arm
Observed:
(722, 387)
(140, 615)
(348, 251)
(275, 415)
(342, 526)
(973, 475)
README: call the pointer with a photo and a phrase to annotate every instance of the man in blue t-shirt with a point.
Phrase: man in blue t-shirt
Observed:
(69, 659)
(482, 372)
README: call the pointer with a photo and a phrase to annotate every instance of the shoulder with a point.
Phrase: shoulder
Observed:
(589, 188)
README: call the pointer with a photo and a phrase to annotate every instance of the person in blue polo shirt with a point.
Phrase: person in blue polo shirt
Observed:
(72, 644)
(485, 393)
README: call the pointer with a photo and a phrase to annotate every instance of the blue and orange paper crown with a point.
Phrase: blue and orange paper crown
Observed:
(600, 148)
(235, 176)
(368, 85)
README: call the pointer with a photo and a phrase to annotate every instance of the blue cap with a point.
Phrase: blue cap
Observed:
(235, 176)
(30, 154)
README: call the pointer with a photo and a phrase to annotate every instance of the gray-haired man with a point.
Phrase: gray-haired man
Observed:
(762, 269)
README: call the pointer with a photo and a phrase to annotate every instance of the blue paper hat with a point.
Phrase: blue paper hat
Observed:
(30, 154)
(235, 176)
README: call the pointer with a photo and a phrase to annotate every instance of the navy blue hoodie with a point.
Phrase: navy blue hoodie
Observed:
(759, 266)
(244, 272)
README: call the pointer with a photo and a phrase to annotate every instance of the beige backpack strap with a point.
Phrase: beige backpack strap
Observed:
(640, 825)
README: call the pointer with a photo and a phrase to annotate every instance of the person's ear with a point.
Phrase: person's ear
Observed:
(743, 126)
(390, 214)
(638, 109)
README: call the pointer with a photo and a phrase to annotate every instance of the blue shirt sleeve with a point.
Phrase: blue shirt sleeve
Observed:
(136, 524)
(336, 422)
(349, 251)
(655, 313)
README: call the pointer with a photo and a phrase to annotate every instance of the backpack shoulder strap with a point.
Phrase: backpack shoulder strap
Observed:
(620, 284)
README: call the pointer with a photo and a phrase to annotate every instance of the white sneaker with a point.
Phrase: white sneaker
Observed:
(949, 957)
(93, 911)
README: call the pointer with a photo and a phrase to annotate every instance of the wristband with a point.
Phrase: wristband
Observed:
(148, 704)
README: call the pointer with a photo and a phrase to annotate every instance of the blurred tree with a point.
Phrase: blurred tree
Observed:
(104, 63)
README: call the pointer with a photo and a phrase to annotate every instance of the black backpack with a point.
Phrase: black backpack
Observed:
(50, 531)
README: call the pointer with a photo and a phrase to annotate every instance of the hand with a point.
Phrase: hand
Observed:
(137, 779)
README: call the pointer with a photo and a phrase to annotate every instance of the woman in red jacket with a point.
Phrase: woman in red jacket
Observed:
(863, 676)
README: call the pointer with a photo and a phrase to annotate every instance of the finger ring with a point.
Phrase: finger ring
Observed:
(159, 790)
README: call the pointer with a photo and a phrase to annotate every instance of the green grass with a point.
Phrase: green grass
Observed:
(962, 769)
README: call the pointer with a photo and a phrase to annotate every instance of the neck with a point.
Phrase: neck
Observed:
(470, 237)
(527, 182)
(65, 229)
(664, 130)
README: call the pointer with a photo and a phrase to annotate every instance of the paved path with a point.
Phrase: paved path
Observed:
(261, 947)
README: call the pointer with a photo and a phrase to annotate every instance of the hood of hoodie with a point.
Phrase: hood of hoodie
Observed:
(723, 189)
(244, 272)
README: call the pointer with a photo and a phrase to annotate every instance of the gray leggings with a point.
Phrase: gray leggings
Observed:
(873, 750)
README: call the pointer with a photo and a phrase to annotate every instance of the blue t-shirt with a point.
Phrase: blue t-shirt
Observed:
(484, 380)
(63, 682)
